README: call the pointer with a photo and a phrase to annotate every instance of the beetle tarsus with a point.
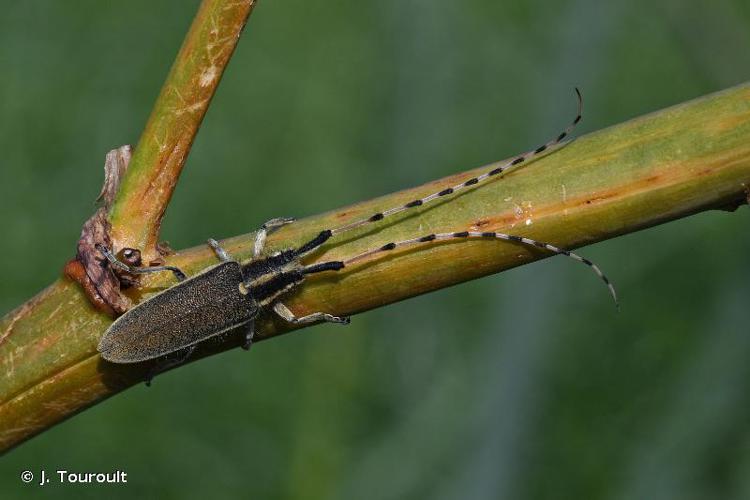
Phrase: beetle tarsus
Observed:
(288, 315)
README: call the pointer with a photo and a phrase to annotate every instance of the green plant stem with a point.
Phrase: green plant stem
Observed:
(163, 148)
(657, 168)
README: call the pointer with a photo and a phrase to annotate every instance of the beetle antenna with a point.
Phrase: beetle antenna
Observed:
(495, 171)
(336, 265)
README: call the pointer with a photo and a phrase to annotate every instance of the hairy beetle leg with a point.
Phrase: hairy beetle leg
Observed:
(249, 334)
(267, 228)
(139, 270)
(288, 315)
(222, 254)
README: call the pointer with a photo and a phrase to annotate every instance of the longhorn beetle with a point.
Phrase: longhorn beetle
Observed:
(232, 293)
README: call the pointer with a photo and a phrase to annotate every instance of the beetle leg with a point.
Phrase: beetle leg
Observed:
(139, 270)
(288, 315)
(269, 227)
(175, 359)
(249, 334)
(220, 252)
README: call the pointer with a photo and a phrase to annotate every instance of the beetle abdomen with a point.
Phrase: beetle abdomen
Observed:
(200, 307)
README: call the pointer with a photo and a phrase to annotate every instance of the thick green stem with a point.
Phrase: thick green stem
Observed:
(657, 168)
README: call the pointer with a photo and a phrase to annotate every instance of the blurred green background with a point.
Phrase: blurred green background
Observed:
(523, 385)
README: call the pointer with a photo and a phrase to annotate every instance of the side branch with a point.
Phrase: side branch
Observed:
(657, 168)
(176, 116)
